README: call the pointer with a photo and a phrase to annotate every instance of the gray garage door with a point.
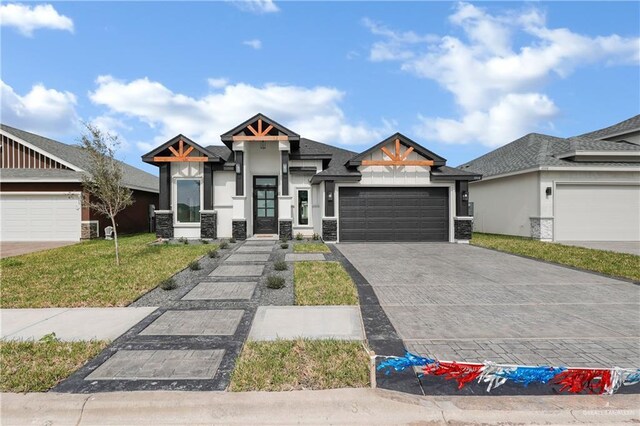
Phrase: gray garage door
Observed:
(394, 214)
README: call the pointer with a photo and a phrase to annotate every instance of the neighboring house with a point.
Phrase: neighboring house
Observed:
(555, 189)
(266, 179)
(41, 192)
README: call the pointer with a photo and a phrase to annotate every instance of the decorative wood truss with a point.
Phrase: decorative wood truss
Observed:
(397, 159)
(181, 155)
(260, 134)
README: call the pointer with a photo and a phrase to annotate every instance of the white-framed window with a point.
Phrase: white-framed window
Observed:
(188, 200)
(303, 206)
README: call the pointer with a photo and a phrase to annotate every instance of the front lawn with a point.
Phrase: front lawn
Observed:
(39, 366)
(323, 283)
(311, 248)
(85, 274)
(605, 262)
(286, 365)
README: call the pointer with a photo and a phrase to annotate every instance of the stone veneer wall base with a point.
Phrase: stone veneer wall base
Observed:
(541, 228)
(285, 228)
(164, 224)
(462, 228)
(329, 229)
(208, 224)
(239, 229)
(89, 229)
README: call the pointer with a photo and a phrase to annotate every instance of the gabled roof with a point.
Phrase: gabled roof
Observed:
(78, 159)
(538, 150)
(148, 157)
(630, 125)
(227, 137)
(437, 160)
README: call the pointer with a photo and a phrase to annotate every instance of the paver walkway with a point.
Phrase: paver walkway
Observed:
(465, 303)
(190, 342)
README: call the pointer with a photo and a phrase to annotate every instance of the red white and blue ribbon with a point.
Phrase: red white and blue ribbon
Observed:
(593, 380)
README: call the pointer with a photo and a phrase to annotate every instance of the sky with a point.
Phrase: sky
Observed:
(459, 78)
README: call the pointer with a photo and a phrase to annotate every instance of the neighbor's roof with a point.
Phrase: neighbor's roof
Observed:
(74, 155)
(538, 150)
(627, 126)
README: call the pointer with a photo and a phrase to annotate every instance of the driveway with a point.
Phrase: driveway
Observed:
(16, 248)
(631, 247)
(465, 303)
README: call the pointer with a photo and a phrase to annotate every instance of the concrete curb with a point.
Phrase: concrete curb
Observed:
(338, 406)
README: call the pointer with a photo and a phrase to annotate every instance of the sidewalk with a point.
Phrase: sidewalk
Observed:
(339, 406)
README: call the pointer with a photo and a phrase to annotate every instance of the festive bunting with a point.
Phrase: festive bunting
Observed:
(575, 380)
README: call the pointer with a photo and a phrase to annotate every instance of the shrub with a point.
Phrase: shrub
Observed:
(168, 284)
(194, 266)
(183, 240)
(224, 245)
(204, 241)
(280, 265)
(299, 236)
(284, 246)
(213, 253)
(232, 240)
(316, 236)
(274, 281)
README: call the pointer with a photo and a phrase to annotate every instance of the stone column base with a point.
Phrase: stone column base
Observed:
(239, 229)
(541, 228)
(462, 228)
(208, 224)
(164, 224)
(285, 228)
(89, 229)
(329, 230)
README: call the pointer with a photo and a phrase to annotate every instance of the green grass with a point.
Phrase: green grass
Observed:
(323, 283)
(85, 274)
(39, 366)
(285, 365)
(605, 262)
(310, 248)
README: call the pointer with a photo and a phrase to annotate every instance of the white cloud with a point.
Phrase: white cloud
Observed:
(257, 6)
(254, 44)
(41, 110)
(313, 112)
(496, 84)
(217, 83)
(27, 19)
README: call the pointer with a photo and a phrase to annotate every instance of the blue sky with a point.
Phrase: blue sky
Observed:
(459, 78)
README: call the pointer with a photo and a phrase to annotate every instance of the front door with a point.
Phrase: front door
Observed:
(265, 205)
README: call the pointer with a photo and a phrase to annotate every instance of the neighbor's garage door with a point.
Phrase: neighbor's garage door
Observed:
(40, 217)
(394, 214)
(597, 212)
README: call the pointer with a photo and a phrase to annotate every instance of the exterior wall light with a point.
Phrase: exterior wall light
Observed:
(548, 191)
(238, 168)
(263, 145)
(330, 195)
(465, 196)
(285, 168)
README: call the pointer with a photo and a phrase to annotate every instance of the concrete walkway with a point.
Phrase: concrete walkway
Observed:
(339, 406)
(16, 248)
(631, 247)
(69, 323)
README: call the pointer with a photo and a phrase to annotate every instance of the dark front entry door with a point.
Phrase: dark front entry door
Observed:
(265, 205)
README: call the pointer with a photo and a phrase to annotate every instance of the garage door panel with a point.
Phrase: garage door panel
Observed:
(394, 214)
(597, 212)
(40, 217)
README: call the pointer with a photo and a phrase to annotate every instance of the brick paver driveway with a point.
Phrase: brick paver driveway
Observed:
(465, 303)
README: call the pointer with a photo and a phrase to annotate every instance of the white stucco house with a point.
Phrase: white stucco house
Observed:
(583, 188)
(264, 179)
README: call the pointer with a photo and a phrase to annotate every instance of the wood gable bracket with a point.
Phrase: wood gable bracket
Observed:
(398, 158)
(181, 155)
(260, 134)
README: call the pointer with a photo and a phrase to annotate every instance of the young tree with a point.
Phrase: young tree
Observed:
(103, 180)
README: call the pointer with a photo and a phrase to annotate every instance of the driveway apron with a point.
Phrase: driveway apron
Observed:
(192, 341)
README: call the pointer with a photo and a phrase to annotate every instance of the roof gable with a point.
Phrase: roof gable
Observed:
(259, 126)
(168, 149)
(408, 143)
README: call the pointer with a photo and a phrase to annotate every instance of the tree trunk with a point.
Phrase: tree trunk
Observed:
(115, 239)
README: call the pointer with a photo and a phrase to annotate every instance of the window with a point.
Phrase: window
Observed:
(188, 196)
(303, 207)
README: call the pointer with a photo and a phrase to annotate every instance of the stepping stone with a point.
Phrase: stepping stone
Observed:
(255, 249)
(260, 243)
(253, 257)
(311, 322)
(159, 365)
(195, 323)
(237, 271)
(296, 257)
(222, 291)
